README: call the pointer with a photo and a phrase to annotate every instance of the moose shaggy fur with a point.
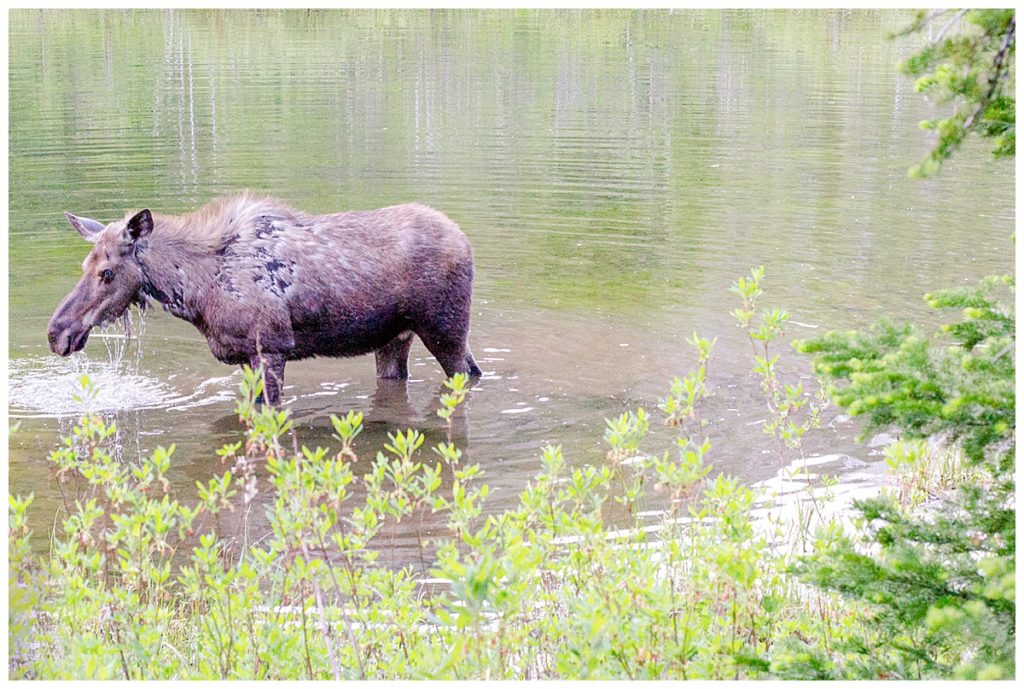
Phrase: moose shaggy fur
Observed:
(267, 284)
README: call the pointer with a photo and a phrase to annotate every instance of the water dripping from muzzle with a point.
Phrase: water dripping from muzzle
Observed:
(50, 386)
(117, 347)
(138, 322)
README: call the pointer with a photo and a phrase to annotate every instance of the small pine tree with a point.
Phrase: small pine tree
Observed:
(939, 582)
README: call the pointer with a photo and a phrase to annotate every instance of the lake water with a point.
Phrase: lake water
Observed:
(614, 170)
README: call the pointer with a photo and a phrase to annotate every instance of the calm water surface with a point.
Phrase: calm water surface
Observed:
(615, 172)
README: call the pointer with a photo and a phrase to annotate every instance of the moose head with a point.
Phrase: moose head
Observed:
(112, 280)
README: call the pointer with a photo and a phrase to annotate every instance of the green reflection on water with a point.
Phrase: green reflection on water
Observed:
(593, 156)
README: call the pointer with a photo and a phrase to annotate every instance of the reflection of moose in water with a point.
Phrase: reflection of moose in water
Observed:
(267, 284)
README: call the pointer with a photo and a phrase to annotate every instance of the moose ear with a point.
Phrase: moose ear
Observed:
(89, 229)
(140, 224)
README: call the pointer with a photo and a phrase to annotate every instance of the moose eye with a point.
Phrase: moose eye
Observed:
(106, 275)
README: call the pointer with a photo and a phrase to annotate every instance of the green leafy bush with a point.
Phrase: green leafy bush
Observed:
(578, 580)
(137, 584)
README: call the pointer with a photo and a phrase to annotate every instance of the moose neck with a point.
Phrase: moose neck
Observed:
(177, 274)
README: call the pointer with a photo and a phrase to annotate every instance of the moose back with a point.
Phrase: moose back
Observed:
(267, 284)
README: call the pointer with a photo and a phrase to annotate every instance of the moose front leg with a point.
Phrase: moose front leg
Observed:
(273, 376)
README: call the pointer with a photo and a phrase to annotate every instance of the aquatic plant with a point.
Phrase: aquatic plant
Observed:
(686, 392)
(786, 422)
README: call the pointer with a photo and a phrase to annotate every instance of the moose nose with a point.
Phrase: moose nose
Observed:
(57, 335)
(55, 327)
(52, 335)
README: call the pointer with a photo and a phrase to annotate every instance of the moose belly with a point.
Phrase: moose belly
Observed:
(330, 333)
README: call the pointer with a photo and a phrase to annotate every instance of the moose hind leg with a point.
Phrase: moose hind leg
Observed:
(393, 358)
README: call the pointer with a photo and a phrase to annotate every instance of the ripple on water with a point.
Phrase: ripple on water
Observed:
(48, 387)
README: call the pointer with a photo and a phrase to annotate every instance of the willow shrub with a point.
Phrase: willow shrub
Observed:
(137, 584)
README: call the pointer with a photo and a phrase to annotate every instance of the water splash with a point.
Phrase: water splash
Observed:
(49, 386)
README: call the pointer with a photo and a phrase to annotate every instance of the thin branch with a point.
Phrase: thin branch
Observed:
(997, 70)
(920, 24)
(344, 612)
(1006, 350)
(324, 627)
(949, 24)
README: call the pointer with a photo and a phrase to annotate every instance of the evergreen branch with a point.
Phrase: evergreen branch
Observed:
(999, 70)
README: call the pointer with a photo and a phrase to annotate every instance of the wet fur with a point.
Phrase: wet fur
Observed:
(268, 284)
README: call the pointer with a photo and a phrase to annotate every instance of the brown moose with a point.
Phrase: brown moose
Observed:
(267, 284)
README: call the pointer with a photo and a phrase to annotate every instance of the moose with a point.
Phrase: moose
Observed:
(267, 284)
